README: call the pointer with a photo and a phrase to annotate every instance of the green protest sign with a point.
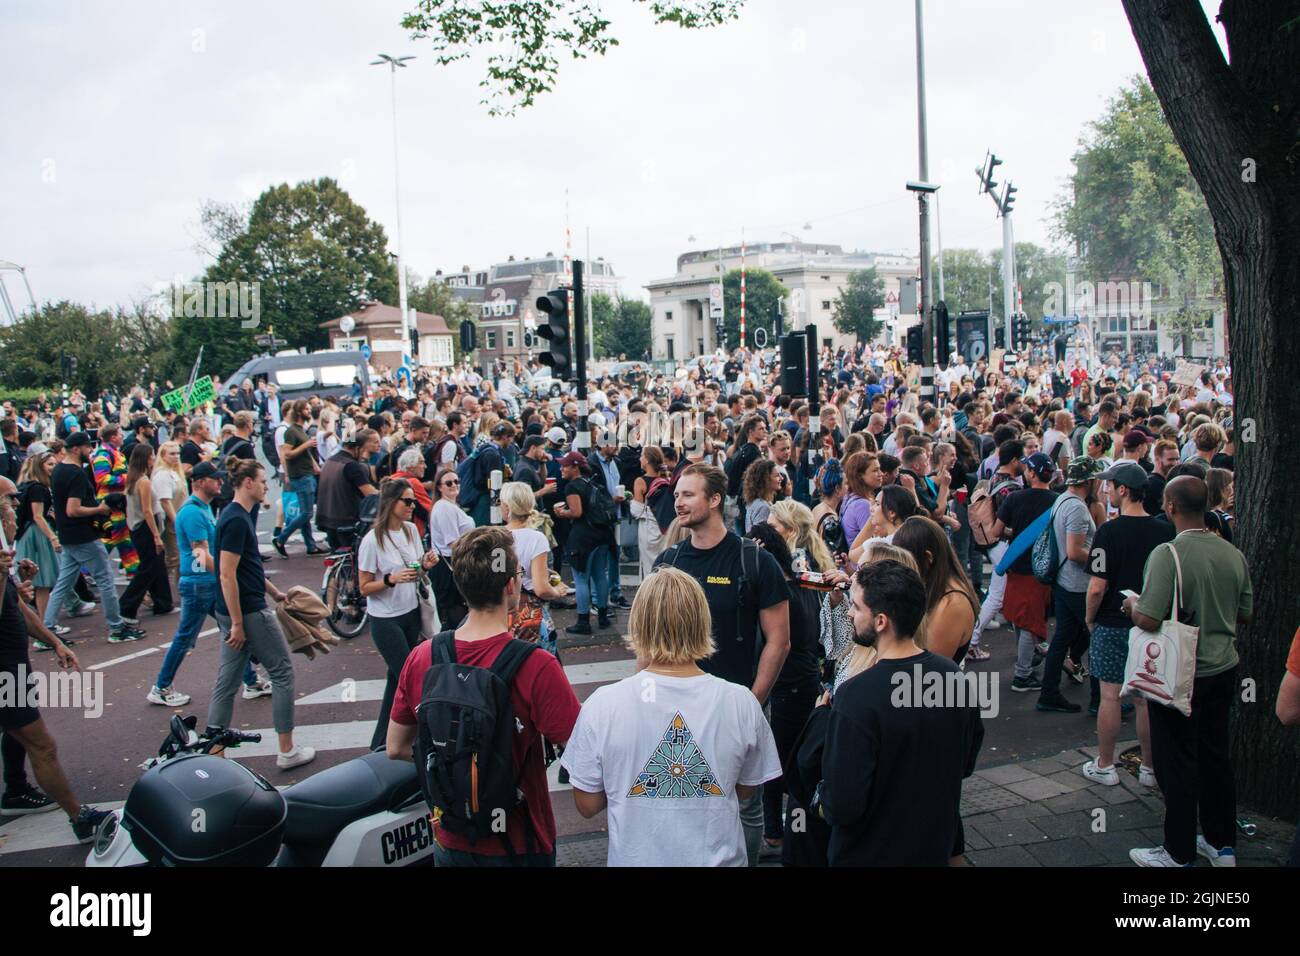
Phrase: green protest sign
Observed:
(198, 393)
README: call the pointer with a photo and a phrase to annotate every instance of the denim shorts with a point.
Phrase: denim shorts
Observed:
(1107, 653)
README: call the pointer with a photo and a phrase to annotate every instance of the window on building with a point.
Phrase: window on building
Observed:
(826, 305)
(669, 343)
(699, 345)
(668, 316)
(491, 340)
(510, 338)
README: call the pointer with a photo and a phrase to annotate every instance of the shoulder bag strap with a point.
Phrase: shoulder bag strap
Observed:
(1176, 607)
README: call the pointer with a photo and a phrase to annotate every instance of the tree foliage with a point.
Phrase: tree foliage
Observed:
(110, 348)
(1134, 210)
(855, 306)
(622, 327)
(762, 293)
(968, 274)
(526, 40)
(314, 254)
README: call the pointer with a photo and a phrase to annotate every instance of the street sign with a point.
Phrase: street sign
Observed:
(191, 396)
(365, 352)
(715, 300)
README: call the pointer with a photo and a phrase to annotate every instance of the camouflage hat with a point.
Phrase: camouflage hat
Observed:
(1081, 470)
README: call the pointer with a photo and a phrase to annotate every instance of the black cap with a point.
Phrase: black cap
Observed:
(204, 469)
(77, 439)
(139, 423)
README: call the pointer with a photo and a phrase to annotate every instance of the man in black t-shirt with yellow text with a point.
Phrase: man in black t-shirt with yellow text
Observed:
(749, 603)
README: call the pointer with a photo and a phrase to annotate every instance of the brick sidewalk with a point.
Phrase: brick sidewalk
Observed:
(1045, 813)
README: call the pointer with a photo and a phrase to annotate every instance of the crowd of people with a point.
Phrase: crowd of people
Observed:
(797, 558)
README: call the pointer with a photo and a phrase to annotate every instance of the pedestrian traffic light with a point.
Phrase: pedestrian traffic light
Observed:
(794, 365)
(942, 331)
(468, 336)
(555, 306)
(914, 354)
(1020, 331)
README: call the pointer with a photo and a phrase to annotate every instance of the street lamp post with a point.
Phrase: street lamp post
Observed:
(393, 63)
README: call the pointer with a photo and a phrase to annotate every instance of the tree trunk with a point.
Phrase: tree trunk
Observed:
(1223, 116)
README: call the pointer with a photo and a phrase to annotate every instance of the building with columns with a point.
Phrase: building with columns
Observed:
(815, 273)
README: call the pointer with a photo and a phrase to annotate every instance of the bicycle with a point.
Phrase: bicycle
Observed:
(341, 591)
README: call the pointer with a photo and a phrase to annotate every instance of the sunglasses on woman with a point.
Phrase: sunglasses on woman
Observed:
(409, 502)
(449, 483)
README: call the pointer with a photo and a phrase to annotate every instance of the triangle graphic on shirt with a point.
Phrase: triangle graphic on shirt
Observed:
(676, 768)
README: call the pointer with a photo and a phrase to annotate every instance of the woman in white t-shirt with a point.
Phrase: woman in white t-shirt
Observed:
(671, 751)
(169, 489)
(389, 563)
(532, 549)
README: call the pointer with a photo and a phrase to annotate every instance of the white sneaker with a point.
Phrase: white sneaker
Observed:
(260, 689)
(1147, 776)
(60, 630)
(1225, 857)
(85, 609)
(1154, 856)
(169, 697)
(296, 757)
(1108, 777)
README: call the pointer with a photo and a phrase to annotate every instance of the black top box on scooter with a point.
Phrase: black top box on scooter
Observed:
(200, 810)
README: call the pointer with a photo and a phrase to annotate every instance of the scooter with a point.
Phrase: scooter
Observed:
(192, 808)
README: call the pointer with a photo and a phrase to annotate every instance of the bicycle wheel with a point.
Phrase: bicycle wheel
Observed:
(342, 595)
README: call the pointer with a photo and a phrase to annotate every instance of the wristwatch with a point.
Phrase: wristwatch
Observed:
(387, 583)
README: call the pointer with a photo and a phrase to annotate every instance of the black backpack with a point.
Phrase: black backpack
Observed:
(600, 511)
(222, 464)
(745, 583)
(464, 740)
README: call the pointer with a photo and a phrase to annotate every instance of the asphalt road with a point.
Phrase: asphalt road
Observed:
(101, 754)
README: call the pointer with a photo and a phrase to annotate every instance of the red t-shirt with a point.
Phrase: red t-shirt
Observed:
(543, 702)
(1078, 376)
(1293, 659)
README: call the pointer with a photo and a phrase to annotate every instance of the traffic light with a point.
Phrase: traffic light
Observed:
(942, 331)
(1020, 332)
(794, 365)
(468, 336)
(914, 354)
(1008, 198)
(555, 306)
(987, 183)
(415, 346)
(999, 335)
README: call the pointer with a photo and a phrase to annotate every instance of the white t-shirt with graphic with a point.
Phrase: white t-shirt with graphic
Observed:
(668, 752)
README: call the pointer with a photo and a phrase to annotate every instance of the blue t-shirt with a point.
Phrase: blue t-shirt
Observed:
(237, 534)
(194, 522)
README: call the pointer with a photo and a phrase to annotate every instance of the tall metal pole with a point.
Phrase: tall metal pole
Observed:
(938, 236)
(1008, 274)
(927, 319)
(393, 64)
(582, 440)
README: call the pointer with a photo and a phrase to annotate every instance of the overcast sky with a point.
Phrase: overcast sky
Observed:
(122, 117)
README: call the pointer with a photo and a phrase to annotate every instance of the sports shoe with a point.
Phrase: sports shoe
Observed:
(279, 547)
(1107, 777)
(21, 804)
(1154, 856)
(167, 697)
(1057, 704)
(296, 757)
(59, 630)
(84, 609)
(1147, 776)
(123, 635)
(133, 621)
(260, 689)
(87, 822)
(1225, 857)
(1023, 685)
(620, 603)
(41, 645)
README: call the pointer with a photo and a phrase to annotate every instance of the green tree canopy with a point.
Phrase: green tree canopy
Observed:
(314, 254)
(622, 327)
(855, 306)
(103, 343)
(528, 39)
(762, 293)
(1134, 210)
